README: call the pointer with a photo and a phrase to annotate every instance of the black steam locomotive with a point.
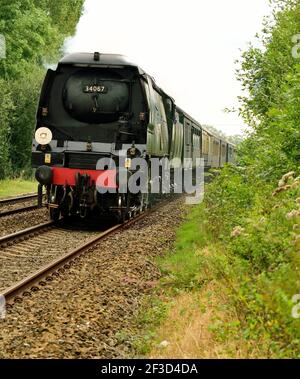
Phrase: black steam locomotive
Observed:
(98, 105)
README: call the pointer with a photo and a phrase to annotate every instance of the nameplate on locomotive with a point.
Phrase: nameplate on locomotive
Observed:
(95, 89)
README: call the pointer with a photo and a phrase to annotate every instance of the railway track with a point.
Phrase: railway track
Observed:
(18, 199)
(11, 206)
(29, 258)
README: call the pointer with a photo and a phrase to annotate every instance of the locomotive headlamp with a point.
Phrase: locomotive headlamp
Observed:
(43, 136)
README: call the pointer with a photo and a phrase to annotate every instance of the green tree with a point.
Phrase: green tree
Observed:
(269, 76)
(35, 32)
(263, 72)
(25, 92)
(6, 110)
(64, 14)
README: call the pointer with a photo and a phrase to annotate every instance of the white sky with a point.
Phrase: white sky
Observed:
(189, 46)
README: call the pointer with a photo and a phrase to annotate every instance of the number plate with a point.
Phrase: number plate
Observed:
(48, 158)
(95, 89)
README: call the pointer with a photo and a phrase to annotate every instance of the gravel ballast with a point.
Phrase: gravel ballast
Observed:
(16, 222)
(23, 258)
(82, 313)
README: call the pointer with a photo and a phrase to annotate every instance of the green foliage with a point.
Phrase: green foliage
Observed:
(155, 312)
(270, 78)
(38, 32)
(35, 32)
(14, 187)
(246, 237)
(266, 274)
(64, 14)
(254, 219)
(263, 72)
(182, 265)
(6, 108)
(229, 198)
(25, 93)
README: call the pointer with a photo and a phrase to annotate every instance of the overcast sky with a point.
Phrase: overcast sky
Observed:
(189, 46)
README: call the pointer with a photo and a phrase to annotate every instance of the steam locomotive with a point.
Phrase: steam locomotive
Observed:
(98, 105)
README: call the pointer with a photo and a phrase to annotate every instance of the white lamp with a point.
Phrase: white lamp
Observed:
(43, 136)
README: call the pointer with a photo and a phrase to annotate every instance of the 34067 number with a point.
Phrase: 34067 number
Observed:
(95, 89)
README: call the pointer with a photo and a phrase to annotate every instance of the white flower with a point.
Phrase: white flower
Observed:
(237, 231)
(293, 213)
(164, 344)
(287, 176)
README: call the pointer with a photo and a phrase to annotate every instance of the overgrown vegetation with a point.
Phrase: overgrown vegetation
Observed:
(236, 261)
(34, 31)
(245, 238)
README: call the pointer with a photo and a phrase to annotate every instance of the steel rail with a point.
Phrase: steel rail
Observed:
(18, 210)
(29, 232)
(17, 199)
(49, 271)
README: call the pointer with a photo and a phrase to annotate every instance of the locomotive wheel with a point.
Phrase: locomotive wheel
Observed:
(54, 214)
(67, 207)
(54, 195)
(123, 213)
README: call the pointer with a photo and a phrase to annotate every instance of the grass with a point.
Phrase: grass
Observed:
(193, 309)
(229, 280)
(201, 324)
(181, 265)
(14, 187)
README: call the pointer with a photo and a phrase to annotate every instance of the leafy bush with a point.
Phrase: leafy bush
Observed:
(254, 232)
(6, 108)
